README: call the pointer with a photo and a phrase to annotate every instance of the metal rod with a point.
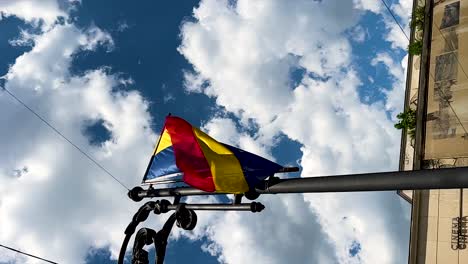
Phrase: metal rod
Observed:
(386, 181)
(447, 178)
(251, 207)
(288, 169)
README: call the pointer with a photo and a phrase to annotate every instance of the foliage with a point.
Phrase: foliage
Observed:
(417, 24)
(407, 122)
(417, 21)
(415, 48)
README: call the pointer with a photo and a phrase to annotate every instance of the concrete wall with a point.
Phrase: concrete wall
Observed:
(442, 213)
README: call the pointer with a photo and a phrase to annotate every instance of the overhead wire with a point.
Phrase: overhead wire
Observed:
(64, 137)
(27, 254)
(71, 143)
(394, 18)
(430, 74)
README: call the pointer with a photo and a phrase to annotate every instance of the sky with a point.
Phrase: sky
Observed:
(314, 84)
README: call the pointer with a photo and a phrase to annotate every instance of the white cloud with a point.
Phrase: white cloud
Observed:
(401, 9)
(62, 204)
(282, 233)
(396, 92)
(370, 5)
(24, 39)
(168, 97)
(359, 34)
(193, 82)
(397, 69)
(245, 52)
(287, 30)
(122, 26)
(34, 11)
(96, 37)
(225, 130)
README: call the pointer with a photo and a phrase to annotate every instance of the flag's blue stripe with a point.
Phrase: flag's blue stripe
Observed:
(255, 168)
(163, 164)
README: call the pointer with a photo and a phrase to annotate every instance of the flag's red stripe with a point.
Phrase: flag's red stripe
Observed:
(188, 154)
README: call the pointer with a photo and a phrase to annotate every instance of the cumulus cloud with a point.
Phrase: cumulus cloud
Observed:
(34, 11)
(53, 201)
(398, 74)
(225, 130)
(244, 53)
(369, 5)
(249, 238)
(228, 48)
(396, 66)
(359, 34)
(402, 11)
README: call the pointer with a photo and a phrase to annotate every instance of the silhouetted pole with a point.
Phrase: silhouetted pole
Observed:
(447, 178)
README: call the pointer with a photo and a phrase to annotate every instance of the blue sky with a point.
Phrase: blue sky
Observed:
(310, 83)
(135, 55)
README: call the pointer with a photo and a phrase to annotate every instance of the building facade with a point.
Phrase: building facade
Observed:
(437, 90)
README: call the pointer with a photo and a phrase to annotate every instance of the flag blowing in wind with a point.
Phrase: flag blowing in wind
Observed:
(203, 162)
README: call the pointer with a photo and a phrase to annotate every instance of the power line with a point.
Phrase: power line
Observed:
(27, 254)
(64, 137)
(430, 74)
(394, 18)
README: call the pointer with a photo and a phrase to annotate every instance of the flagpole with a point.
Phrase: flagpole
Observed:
(447, 178)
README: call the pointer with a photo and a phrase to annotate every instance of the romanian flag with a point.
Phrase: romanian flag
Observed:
(203, 162)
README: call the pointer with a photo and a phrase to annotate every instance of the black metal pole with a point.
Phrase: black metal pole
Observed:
(251, 207)
(449, 178)
(452, 178)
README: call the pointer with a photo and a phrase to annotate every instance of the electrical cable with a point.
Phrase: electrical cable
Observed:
(394, 18)
(27, 254)
(64, 137)
(433, 78)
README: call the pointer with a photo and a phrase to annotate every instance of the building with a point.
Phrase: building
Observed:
(437, 88)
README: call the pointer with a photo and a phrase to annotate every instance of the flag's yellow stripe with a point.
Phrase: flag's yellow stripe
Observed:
(225, 167)
(164, 142)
